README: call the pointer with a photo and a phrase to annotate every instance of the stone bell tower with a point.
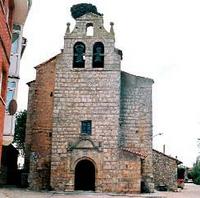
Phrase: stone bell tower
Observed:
(102, 117)
(86, 108)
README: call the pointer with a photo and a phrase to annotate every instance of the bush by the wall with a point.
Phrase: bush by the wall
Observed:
(196, 173)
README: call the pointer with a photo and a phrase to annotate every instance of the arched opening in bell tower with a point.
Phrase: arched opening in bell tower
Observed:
(84, 176)
(79, 55)
(89, 29)
(98, 55)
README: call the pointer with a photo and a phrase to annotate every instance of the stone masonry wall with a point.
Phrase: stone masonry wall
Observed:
(129, 172)
(136, 120)
(39, 126)
(164, 170)
(85, 95)
(30, 121)
(90, 94)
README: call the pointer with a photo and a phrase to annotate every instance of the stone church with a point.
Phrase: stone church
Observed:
(89, 124)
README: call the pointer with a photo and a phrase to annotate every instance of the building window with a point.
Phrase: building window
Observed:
(89, 29)
(86, 127)
(79, 55)
(15, 43)
(98, 55)
(16, 38)
(10, 92)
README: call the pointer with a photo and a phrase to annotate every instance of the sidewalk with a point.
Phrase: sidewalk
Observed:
(24, 193)
(190, 191)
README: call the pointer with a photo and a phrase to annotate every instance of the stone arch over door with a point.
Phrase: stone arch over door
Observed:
(85, 175)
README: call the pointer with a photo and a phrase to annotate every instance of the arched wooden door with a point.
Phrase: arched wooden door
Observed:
(85, 176)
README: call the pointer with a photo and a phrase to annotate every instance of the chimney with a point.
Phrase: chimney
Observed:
(164, 148)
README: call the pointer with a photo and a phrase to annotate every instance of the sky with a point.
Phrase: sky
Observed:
(160, 39)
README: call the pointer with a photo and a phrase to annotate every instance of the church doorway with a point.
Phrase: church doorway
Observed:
(85, 175)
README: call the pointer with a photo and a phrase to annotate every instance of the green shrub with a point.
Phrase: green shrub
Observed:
(20, 130)
(196, 173)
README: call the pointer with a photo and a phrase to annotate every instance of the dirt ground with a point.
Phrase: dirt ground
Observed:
(190, 191)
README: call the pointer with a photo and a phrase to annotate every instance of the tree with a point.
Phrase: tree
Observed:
(196, 173)
(20, 130)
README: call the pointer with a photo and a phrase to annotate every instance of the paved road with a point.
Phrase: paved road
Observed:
(190, 191)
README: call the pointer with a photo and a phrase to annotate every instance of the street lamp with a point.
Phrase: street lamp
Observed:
(157, 134)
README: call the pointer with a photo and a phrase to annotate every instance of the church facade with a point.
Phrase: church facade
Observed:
(89, 124)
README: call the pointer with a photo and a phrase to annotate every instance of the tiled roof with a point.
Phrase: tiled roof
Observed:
(135, 151)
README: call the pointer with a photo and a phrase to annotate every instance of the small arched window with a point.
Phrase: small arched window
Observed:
(79, 55)
(89, 29)
(98, 55)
